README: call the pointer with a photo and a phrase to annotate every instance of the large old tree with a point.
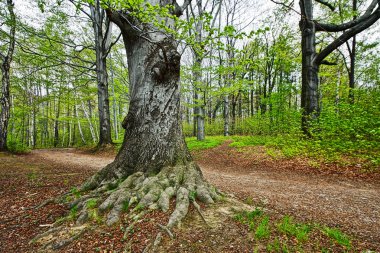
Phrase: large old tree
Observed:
(5, 61)
(153, 164)
(312, 60)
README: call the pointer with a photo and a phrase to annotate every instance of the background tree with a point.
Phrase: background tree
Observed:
(103, 34)
(6, 60)
(311, 60)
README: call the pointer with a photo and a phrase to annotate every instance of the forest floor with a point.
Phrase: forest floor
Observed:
(327, 195)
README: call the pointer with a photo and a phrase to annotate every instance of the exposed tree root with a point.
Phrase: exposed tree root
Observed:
(139, 193)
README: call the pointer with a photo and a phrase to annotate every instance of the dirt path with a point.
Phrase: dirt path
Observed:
(347, 201)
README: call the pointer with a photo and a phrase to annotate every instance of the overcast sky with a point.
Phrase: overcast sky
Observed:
(255, 9)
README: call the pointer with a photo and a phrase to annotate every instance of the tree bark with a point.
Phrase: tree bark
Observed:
(101, 48)
(153, 134)
(114, 106)
(309, 92)
(199, 98)
(153, 163)
(352, 52)
(5, 79)
(56, 123)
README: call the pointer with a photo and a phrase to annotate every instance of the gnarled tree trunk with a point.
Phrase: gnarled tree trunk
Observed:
(153, 163)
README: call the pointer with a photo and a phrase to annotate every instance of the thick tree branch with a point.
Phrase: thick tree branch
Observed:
(326, 62)
(325, 3)
(12, 33)
(320, 27)
(181, 9)
(346, 36)
(2, 57)
(111, 45)
(107, 34)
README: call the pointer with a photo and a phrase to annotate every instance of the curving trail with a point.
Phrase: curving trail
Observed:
(336, 199)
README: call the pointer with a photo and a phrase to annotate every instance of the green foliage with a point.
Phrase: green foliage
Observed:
(322, 149)
(210, 142)
(75, 191)
(286, 235)
(338, 236)
(17, 147)
(263, 230)
(91, 203)
(193, 195)
(94, 215)
(275, 246)
(288, 227)
(125, 206)
(73, 213)
(250, 218)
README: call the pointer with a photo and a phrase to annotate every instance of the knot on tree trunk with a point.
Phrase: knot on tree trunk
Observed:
(165, 61)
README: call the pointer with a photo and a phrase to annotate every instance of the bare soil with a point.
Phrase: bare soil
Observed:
(343, 197)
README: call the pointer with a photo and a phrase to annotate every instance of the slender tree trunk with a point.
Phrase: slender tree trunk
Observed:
(309, 93)
(56, 123)
(89, 120)
(79, 125)
(199, 98)
(351, 73)
(101, 48)
(195, 110)
(233, 113)
(6, 60)
(252, 102)
(5, 105)
(114, 106)
(226, 115)
(34, 125)
(240, 105)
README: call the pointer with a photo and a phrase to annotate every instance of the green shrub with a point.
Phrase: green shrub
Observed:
(17, 147)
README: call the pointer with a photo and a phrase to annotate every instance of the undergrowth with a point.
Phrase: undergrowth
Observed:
(17, 147)
(287, 235)
(210, 142)
(345, 152)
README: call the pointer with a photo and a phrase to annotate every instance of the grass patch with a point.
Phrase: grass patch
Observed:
(338, 237)
(344, 152)
(262, 230)
(73, 213)
(289, 227)
(91, 203)
(287, 235)
(210, 142)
